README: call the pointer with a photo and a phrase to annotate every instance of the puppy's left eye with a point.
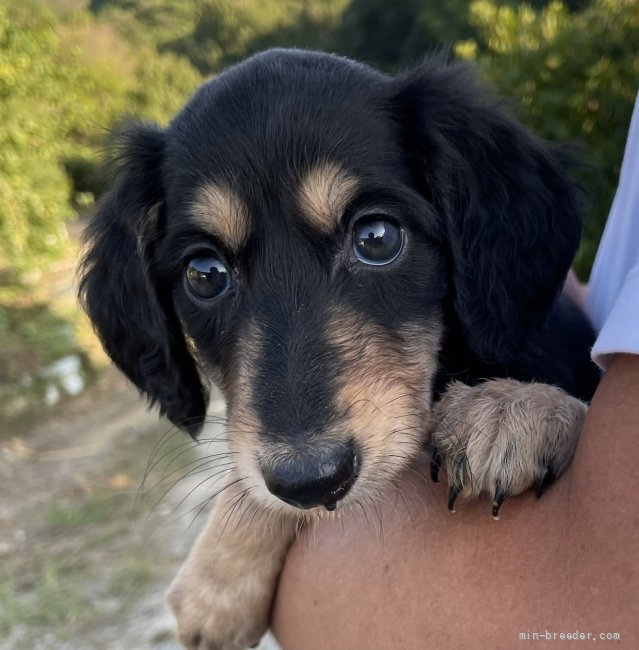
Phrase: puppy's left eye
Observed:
(207, 278)
(377, 241)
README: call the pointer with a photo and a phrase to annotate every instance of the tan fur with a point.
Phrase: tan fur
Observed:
(243, 423)
(324, 194)
(222, 594)
(222, 212)
(385, 393)
(502, 431)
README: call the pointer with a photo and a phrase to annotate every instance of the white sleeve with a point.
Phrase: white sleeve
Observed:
(612, 302)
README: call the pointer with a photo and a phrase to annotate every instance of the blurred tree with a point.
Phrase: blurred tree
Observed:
(576, 76)
(33, 186)
(216, 33)
(226, 32)
(394, 34)
(153, 22)
(61, 87)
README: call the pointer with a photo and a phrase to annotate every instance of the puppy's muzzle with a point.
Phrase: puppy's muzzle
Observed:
(315, 477)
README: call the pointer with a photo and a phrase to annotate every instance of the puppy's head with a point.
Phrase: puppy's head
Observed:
(294, 235)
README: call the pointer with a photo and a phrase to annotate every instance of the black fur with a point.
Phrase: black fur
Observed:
(132, 313)
(499, 189)
(491, 215)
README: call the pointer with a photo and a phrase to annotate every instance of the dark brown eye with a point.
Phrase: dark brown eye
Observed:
(207, 278)
(377, 241)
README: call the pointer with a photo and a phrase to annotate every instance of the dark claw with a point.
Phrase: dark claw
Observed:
(547, 479)
(498, 499)
(452, 496)
(435, 464)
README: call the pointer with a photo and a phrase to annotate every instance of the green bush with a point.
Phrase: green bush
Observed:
(62, 87)
(33, 185)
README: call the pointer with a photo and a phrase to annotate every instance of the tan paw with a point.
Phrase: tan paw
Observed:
(216, 614)
(502, 437)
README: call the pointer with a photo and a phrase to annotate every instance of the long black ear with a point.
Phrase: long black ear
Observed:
(512, 216)
(132, 314)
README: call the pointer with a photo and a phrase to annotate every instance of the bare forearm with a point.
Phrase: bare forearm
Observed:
(568, 561)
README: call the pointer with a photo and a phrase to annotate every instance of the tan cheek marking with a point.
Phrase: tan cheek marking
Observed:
(385, 390)
(324, 194)
(220, 210)
(243, 423)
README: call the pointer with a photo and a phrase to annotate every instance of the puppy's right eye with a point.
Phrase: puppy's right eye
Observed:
(206, 277)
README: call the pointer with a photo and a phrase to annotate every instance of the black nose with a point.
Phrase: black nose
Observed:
(313, 479)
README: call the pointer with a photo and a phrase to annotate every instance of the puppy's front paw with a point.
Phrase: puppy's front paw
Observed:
(214, 613)
(502, 437)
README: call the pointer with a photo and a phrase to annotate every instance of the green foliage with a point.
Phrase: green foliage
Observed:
(393, 35)
(213, 34)
(33, 186)
(152, 22)
(576, 78)
(62, 86)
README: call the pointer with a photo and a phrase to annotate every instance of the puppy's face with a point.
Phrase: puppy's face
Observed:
(303, 266)
(295, 233)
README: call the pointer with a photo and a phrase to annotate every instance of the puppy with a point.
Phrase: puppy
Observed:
(366, 265)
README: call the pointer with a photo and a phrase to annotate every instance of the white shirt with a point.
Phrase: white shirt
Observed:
(612, 302)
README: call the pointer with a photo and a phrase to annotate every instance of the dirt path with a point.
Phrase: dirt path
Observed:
(83, 562)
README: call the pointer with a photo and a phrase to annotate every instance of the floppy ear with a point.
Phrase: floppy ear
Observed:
(132, 314)
(511, 215)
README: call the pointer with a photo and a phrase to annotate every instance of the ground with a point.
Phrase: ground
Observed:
(87, 551)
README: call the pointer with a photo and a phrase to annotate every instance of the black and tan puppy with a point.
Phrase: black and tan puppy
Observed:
(367, 265)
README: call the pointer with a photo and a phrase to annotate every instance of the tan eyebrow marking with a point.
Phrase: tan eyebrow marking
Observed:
(222, 211)
(324, 194)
